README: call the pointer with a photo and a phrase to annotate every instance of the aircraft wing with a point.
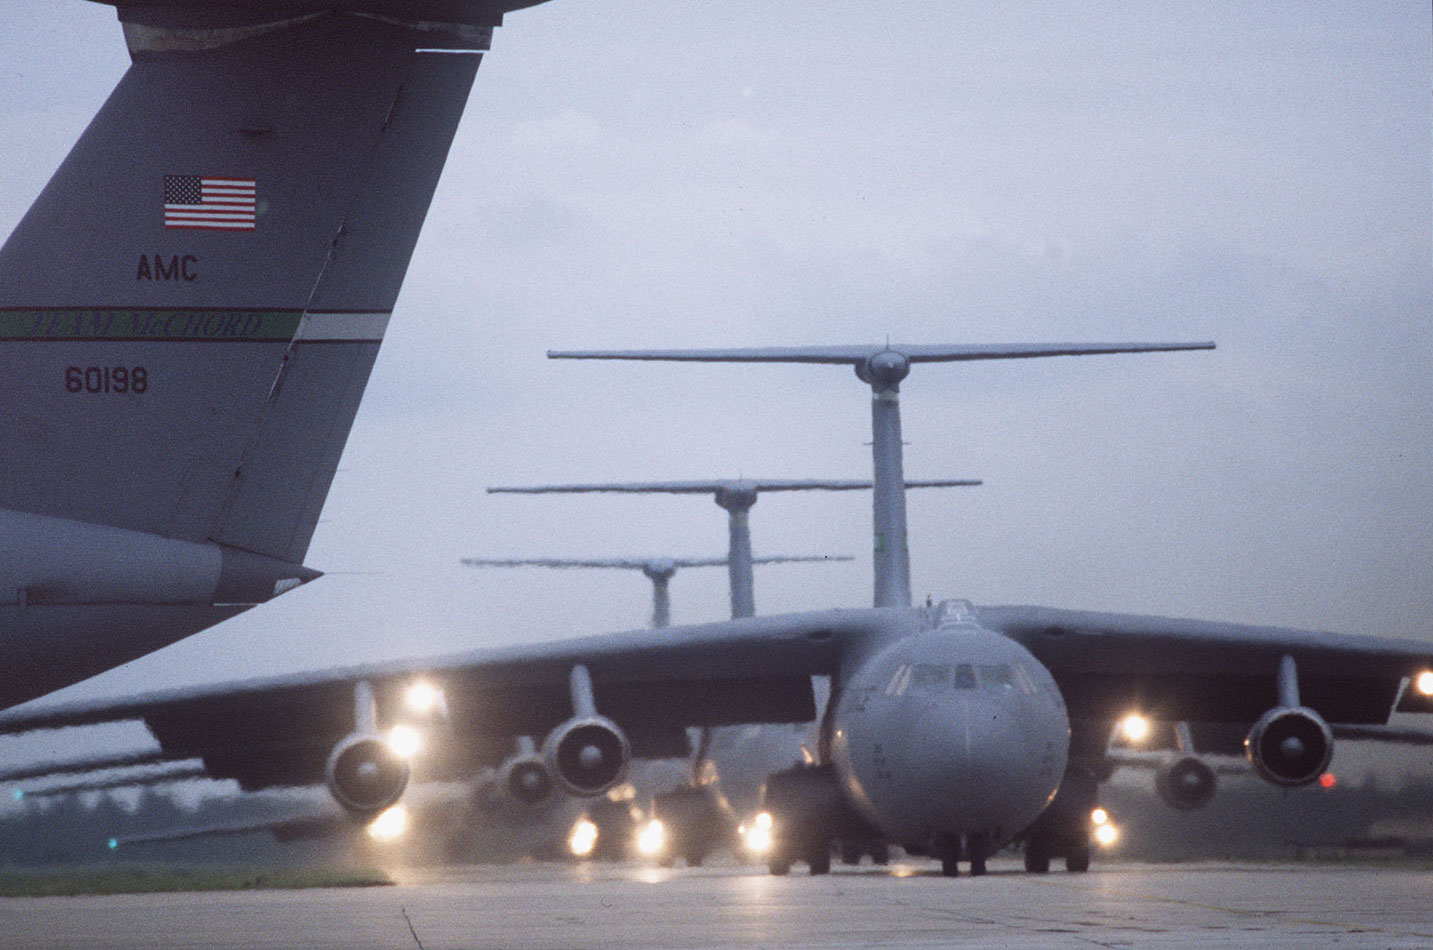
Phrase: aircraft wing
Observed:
(1205, 672)
(654, 683)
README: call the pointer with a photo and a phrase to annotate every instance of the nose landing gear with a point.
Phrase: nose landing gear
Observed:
(976, 849)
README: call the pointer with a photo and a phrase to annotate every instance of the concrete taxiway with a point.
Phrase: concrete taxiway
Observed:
(907, 905)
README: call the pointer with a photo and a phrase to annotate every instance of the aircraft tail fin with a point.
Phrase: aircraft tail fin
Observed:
(191, 308)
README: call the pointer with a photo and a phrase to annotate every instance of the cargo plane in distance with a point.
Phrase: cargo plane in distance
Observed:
(951, 729)
(190, 310)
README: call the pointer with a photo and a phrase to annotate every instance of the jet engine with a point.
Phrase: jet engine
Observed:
(365, 775)
(525, 778)
(1185, 782)
(587, 755)
(1289, 746)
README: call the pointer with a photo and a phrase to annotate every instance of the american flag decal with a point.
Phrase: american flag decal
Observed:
(197, 201)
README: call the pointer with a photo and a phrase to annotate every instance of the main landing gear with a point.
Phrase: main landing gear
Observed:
(1064, 829)
(807, 814)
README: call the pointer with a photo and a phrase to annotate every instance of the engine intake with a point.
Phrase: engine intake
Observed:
(526, 779)
(1185, 782)
(1290, 746)
(365, 775)
(587, 755)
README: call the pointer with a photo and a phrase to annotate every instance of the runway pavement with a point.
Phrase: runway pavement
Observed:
(630, 906)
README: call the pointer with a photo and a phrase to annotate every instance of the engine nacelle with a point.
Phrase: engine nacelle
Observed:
(1290, 746)
(587, 755)
(1185, 782)
(525, 779)
(365, 775)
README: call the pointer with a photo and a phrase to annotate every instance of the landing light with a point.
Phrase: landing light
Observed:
(1135, 727)
(1099, 816)
(1424, 683)
(757, 835)
(1107, 834)
(405, 741)
(423, 698)
(652, 838)
(389, 825)
(583, 838)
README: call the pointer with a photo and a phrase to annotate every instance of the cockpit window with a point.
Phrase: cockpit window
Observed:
(997, 676)
(964, 676)
(930, 676)
(1022, 676)
(900, 679)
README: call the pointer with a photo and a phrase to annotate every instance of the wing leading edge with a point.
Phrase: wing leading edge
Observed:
(656, 683)
(279, 731)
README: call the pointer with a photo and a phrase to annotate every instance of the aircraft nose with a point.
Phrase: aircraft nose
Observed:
(975, 752)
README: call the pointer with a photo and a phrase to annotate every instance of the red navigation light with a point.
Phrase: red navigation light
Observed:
(1327, 781)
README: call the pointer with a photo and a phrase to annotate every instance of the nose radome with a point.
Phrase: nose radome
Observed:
(975, 753)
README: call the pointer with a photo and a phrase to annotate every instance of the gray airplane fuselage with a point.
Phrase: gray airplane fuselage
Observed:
(952, 731)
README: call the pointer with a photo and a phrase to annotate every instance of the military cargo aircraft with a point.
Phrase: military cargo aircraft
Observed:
(190, 310)
(952, 728)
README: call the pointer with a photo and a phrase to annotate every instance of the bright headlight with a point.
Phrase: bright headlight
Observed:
(405, 741)
(757, 835)
(583, 838)
(1107, 834)
(389, 825)
(1424, 683)
(1135, 728)
(652, 838)
(423, 698)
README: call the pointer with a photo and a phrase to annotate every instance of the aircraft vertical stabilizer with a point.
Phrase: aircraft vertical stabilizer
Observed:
(190, 310)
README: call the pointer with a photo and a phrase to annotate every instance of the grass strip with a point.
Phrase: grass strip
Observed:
(150, 879)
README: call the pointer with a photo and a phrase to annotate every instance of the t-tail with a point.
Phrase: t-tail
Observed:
(190, 310)
(883, 368)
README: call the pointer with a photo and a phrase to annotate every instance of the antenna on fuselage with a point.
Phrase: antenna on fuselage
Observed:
(883, 367)
(737, 496)
(658, 570)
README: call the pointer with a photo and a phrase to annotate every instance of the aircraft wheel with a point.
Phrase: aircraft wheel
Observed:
(1037, 859)
(950, 866)
(667, 861)
(850, 853)
(881, 853)
(1078, 860)
(779, 863)
(979, 848)
(695, 857)
(819, 858)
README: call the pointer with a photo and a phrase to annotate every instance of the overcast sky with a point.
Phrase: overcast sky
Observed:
(640, 173)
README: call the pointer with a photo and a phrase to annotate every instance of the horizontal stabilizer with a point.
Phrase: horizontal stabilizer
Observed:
(657, 564)
(707, 487)
(854, 355)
